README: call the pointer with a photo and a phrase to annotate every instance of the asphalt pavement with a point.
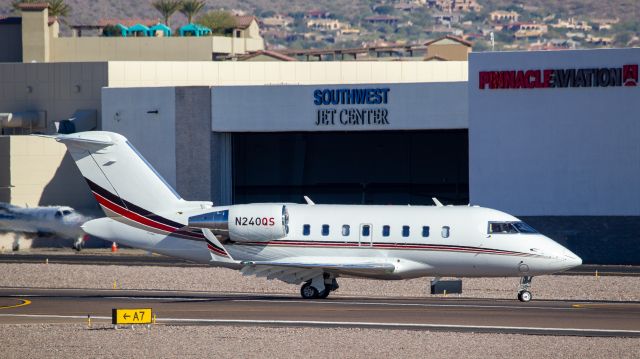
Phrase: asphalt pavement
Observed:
(585, 318)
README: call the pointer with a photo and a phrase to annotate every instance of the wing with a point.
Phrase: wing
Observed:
(301, 270)
(15, 222)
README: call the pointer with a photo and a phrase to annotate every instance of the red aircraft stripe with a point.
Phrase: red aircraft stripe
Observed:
(132, 215)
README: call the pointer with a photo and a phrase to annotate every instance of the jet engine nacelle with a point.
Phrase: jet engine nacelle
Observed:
(246, 222)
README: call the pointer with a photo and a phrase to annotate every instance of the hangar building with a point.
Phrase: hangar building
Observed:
(548, 136)
(551, 137)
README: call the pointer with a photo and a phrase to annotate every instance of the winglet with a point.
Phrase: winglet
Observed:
(438, 203)
(309, 201)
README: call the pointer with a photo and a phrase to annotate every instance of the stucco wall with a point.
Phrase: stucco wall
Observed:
(42, 173)
(147, 117)
(59, 89)
(167, 73)
(71, 49)
(194, 176)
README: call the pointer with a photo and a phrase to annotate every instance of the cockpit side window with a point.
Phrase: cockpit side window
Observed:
(524, 228)
(66, 212)
(509, 228)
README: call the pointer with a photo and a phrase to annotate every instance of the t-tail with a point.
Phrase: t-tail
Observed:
(132, 193)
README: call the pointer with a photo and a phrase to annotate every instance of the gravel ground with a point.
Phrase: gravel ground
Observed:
(225, 280)
(74, 341)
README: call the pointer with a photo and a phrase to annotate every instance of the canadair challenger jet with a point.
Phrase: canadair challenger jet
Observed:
(306, 244)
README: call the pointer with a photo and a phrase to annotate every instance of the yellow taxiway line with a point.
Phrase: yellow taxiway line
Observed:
(22, 304)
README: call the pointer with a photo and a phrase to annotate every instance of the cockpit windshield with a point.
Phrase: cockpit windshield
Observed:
(510, 227)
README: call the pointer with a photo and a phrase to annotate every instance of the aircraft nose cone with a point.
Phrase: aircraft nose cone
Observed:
(571, 260)
(574, 261)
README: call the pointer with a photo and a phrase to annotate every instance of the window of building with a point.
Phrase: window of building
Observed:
(405, 231)
(385, 231)
(306, 230)
(445, 232)
(346, 230)
(325, 230)
(425, 231)
(366, 230)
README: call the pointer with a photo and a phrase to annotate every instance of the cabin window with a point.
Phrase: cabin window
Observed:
(366, 230)
(346, 230)
(425, 231)
(405, 231)
(445, 232)
(385, 231)
(325, 230)
(306, 230)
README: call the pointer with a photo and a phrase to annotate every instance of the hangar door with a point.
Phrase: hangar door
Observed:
(381, 167)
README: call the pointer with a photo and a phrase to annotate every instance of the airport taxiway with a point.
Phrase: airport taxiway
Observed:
(589, 318)
(131, 257)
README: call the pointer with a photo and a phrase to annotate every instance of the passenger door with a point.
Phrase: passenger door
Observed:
(366, 234)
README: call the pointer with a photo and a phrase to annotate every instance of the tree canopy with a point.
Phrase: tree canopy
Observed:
(220, 22)
(190, 8)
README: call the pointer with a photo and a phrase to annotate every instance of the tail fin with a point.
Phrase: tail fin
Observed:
(119, 177)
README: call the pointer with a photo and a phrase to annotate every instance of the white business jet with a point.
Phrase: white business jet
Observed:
(53, 221)
(306, 244)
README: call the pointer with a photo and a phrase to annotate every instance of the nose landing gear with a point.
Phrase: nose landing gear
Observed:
(524, 295)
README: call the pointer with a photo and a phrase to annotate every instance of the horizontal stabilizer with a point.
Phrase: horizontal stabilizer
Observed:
(84, 139)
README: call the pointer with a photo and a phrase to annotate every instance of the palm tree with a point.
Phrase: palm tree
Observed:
(56, 7)
(167, 8)
(190, 8)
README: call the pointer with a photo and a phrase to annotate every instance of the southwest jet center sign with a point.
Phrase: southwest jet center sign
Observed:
(331, 102)
(344, 107)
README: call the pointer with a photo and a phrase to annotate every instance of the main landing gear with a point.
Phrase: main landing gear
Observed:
(319, 287)
(524, 295)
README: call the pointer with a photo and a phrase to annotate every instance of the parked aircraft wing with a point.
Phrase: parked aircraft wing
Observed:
(296, 272)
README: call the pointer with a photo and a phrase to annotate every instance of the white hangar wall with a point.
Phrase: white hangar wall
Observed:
(555, 151)
(357, 107)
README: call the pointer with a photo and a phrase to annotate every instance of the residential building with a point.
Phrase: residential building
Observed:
(504, 16)
(324, 24)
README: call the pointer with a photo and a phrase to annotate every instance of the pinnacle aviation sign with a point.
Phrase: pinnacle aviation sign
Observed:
(350, 107)
(626, 75)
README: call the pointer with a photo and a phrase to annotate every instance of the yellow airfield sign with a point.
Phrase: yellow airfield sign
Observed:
(131, 316)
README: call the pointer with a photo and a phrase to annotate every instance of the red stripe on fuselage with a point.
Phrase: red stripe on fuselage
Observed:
(442, 248)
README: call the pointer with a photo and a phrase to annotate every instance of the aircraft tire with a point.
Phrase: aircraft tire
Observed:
(308, 292)
(524, 296)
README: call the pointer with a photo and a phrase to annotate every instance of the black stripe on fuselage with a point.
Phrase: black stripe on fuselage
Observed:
(132, 207)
